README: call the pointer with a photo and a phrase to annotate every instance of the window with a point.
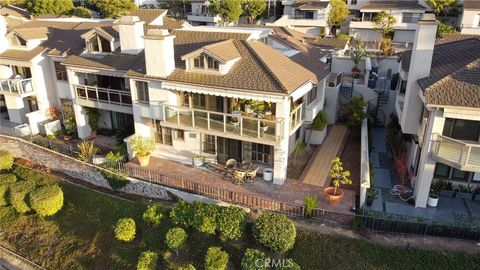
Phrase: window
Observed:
(205, 62)
(199, 62)
(22, 71)
(184, 98)
(67, 108)
(32, 103)
(142, 92)
(212, 63)
(262, 153)
(462, 129)
(369, 16)
(353, 2)
(403, 86)
(312, 95)
(442, 170)
(60, 71)
(460, 175)
(411, 17)
(209, 144)
(180, 134)
(162, 135)
(97, 43)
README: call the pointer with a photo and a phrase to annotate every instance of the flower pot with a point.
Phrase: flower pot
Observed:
(67, 138)
(432, 200)
(317, 136)
(331, 197)
(267, 174)
(264, 129)
(143, 160)
(198, 161)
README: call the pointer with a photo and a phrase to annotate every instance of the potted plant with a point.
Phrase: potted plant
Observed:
(142, 147)
(263, 126)
(198, 160)
(463, 192)
(448, 190)
(358, 50)
(475, 193)
(339, 177)
(435, 190)
(371, 196)
(93, 117)
(318, 129)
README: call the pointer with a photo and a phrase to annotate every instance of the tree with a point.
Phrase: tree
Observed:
(442, 6)
(338, 175)
(175, 238)
(47, 200)
(125, 229)
(254, 259)
(178, 8)
(229, 10)
(253, 8)
(444, 28)
(337, 15)
(383, 23)
(355, 111)
(275, 231)
(216, 259)
(112, 8)
(147, 260)
(39, 7)
(82, 12)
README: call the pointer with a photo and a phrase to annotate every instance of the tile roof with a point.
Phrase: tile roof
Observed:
(387, 5)
(310, 5)
(224, 50)
(471, 4)
(328, 43)
(32, 33)
(14, 12)
(147, 15)
(114, 61)
(21, 55)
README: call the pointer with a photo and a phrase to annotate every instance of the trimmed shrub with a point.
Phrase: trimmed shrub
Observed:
(231, 221)
(39, 178)
(125, 229)
(254, 259)
(153, 215)
(147, 261)
(6, 160)
(7, 214)
(204, 217)
(186, 267)
(4, 189)
(182, 214)
(7, 179)
(115, 180)
(175, 238)
(216, 259)
(288, 264)
(275, 231)
(46, 200)
(18, 193)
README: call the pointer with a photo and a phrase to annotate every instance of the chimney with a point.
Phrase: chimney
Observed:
(131, 32)
(3, 34)
(159, 53)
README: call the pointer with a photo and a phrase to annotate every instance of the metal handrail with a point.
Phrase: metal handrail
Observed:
(465, 151)
(108, 92)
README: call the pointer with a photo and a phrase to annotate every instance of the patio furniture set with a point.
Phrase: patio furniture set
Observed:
(239, 172)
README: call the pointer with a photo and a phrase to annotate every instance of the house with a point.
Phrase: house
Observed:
(406, 13)
(14, 15)
(470, 22)
(200, 14)
(305, 16)
(438, 107)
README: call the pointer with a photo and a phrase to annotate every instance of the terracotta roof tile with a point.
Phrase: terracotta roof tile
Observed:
(15, 12)
(387, 5)
(21, 55)
(329, 43)
(224, 50)
(147, 15)
(471, 5)
(114, 61)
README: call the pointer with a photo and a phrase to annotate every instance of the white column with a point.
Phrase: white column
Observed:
(280, 152)
(16, 109)
(81, 118)
(426, 165)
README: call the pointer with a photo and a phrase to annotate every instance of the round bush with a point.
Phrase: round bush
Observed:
(46, 200)
(275, 231)
(175, 238)
(182, 214)
(216, 259)
(153, 215)
(186, 267)
(147, 261)
(204, 217)
(6, 160)
(18, 193)
(254, 259)
(7, 179)
(125, 229)
(231, 221)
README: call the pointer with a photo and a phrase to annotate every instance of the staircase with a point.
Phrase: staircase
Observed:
(375, 109)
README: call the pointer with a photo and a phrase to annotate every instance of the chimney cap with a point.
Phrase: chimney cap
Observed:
(157, 34)
(129, 20)
(428, 18)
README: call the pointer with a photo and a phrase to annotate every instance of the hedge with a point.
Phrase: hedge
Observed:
(147, 261)
(153, 215)
(216, 259)
(39, 178)
(115, 180)
(4, 190)
(125, 229)
(175, 238)
(204, 217)
(7, 179)
(231, 221)
(6, 160)
(46, 200)
(254, 259)
(182, 214)
(18, 193)
(275, 231)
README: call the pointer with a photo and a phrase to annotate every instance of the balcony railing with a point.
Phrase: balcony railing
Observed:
(297, 116)
(235, 123)
(459, 154)
(17, 86)
(104, 95)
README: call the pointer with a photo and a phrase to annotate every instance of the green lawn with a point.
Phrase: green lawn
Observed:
(80, 236)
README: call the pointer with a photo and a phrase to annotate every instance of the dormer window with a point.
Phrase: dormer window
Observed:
(16, 40)
(205, 62)
(217, 58)
(96, 43)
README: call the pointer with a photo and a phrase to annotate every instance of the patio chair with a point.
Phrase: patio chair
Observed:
(251, 175)
(239, 176)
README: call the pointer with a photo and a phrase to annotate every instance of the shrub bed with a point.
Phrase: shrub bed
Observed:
(125, 229)
(153, 215)
(4, 189)
(46, 200)
(6, 160)
(216, 259)
(231, 222)
(254, 259)
(204, 217)
(186, 267)
(275, 231)
(175, 238)
(7, 179)
(7, 214)
(115, 180)
(182, 214)
(39, 178)
(18, 193)
(147, 261)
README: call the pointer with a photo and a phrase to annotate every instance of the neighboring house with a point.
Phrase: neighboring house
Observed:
(200, 14)
(14, 15)
(305, 16)
(470, 23)
(407, 13)
(438, 105)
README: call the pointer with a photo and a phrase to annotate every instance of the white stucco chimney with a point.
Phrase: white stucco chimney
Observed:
(159, 53)
(131, 32)
(3, 34)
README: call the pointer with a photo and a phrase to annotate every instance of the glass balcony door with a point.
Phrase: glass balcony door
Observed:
(228, 149)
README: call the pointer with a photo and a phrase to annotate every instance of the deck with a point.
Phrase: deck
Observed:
(459, 154)
(317, 171)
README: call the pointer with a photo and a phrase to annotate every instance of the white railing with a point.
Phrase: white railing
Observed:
(364, 163)
(465, 155)
(104, 95)
(234, 123)
(19, 86)
(297, 117)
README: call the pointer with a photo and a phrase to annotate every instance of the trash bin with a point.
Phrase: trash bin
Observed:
(268, 174)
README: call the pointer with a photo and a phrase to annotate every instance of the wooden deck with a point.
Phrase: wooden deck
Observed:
(317, 170)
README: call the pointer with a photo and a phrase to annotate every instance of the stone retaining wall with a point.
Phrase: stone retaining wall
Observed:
(76, 168)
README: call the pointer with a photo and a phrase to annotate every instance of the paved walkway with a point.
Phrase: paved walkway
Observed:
(317, 173)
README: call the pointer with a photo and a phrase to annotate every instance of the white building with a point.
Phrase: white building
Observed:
(200, 14)
(438, 105)
(305, 16)
(470, 22)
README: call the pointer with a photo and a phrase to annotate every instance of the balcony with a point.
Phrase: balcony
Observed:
(296, 117)
(235, 124)
(462, 155)
(202, 17)
(18, 87)
(103, 95)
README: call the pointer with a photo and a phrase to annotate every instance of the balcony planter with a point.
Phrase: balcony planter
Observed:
(318, 129)
(333, 197)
